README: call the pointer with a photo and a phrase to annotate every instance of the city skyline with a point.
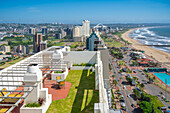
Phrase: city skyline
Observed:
(71, 12)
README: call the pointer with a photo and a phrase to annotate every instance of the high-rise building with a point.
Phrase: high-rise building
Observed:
(44, 30)
(58, 36)
(31, 31)
(69, 31)
(61, 34)
(21, 49)
(43, 45)
(80, 33)
(5, 49)
(94, 42)
(86, 28)
(36, 42)
(15, 49)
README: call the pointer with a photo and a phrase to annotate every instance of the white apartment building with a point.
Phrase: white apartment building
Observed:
(80, 33)
(31, 31)
(28, 75)
(86, 28)
(5, 49)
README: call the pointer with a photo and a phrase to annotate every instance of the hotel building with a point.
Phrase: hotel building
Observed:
(35, 77)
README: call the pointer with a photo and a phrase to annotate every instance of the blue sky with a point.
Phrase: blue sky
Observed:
(74, 11)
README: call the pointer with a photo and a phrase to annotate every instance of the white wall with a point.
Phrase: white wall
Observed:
(78, 57)
(102, 106)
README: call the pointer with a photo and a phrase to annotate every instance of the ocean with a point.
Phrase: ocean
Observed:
(153, 36)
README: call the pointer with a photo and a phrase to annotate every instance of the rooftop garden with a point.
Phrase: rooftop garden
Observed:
(82, 94)
(58, 71)
(84, 64)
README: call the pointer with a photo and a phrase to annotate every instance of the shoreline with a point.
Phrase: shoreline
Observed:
(158, 55)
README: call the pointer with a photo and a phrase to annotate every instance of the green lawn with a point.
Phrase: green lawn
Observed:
(121, 62)
(113, 43)
(7, 64)
(59, 44)
(82, 94)
(155, 101)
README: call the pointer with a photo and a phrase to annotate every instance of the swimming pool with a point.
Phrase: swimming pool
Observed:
(163, 76)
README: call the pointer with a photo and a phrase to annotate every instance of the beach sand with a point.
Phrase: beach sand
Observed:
(158, 55)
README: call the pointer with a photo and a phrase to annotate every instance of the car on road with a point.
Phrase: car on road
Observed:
(121, 96)
(128, 96)
(119, 93)
(143, 74)
(122, 100)
(134, 71)
(123, 104)
(133, 105)
(123, 108)
(124, 87)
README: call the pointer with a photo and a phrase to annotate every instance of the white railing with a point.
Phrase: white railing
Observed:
(102, 106)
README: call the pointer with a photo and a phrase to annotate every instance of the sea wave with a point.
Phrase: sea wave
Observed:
(147, 36)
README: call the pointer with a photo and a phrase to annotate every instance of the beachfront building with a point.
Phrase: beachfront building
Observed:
(47, 75)
(137, 55)
(94, 42)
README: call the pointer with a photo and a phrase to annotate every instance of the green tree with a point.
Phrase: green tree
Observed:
(150, 79)
(113, 76)
(135, 78)
(8, 53)
(115, 82)
(146, 107)
(9, 58)
(129, 80)
(137, 93)
(142, 86)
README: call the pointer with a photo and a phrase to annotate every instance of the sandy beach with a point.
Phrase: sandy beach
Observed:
(158, 55)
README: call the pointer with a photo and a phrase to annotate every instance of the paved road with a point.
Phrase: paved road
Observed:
(124, 92)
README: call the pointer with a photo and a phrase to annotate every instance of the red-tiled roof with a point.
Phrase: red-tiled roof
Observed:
(143, 62)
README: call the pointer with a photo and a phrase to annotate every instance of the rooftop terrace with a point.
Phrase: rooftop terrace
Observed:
(82, 94)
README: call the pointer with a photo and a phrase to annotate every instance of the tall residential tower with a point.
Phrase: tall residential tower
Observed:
(36, 42)
(80, 33)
